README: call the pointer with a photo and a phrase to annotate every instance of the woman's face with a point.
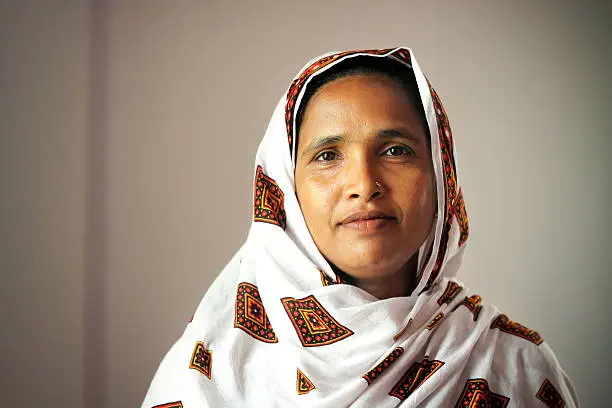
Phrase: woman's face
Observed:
(357, 132)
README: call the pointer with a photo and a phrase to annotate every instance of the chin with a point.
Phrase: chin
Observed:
(373, 253)
(361, 264)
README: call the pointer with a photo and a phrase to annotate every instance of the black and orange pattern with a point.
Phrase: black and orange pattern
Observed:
(201, 359)
(549, 395)
(454, 204)
(445, 137)
(269, 203)
(401, 332)
(477, 394)
(461, 216)
(473, 305)
(451, 291)
(313, 324)
(416, 375)
(250, 314)
(383, 365)
(503, 323)
(303, 384)
(435, 321)
(327, 281)
(176, 404)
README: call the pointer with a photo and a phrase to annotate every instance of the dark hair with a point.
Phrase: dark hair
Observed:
(395, 70)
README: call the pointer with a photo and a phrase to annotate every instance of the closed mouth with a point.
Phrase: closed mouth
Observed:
(367, 215)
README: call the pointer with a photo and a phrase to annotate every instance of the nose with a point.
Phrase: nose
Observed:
(363, 179)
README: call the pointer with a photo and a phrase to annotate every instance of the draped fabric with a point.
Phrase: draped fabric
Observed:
(278, 328)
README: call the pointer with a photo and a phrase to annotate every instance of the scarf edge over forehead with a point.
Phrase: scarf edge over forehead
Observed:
(441, 253)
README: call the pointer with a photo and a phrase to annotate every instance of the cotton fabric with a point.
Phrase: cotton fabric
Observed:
(278, 328)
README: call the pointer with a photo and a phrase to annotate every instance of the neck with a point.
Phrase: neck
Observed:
(401, 283)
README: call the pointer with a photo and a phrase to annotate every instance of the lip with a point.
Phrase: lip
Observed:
(365, 217)
(369, 226)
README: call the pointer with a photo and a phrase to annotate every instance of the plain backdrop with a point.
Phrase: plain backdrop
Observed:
(127, 138)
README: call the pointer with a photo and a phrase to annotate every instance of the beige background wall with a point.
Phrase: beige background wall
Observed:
(43, 139)
(127, 138)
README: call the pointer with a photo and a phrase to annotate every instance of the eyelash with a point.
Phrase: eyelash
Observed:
(320, 155)
(407, 150)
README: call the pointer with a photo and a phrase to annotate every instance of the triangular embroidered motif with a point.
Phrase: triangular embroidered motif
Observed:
(313, 324)
(476, 393)
(416, 375)
(549, 395)
(250, 314)
(303, 383)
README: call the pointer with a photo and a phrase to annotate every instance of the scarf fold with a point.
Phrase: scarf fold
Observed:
(278, 328)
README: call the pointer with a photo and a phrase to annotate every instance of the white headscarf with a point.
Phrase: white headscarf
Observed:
(277, 328)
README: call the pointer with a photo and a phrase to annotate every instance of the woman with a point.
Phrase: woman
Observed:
(344, 293)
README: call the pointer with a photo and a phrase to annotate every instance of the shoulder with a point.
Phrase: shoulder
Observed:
(513, 360)
(519, 361)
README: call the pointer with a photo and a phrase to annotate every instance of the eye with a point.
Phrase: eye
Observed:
(398, 151)
(326, 156)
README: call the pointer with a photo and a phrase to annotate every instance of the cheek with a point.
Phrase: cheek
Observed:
(427, 196)
(316, 201)
(421, 196)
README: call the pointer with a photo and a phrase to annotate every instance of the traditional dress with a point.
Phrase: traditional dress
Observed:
(278, 328)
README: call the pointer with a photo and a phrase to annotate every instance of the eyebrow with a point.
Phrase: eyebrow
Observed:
(399, 133)
(392, 133)
(322, 142)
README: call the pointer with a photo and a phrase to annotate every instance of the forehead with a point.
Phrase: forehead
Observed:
(368, 98)
(355, 85)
